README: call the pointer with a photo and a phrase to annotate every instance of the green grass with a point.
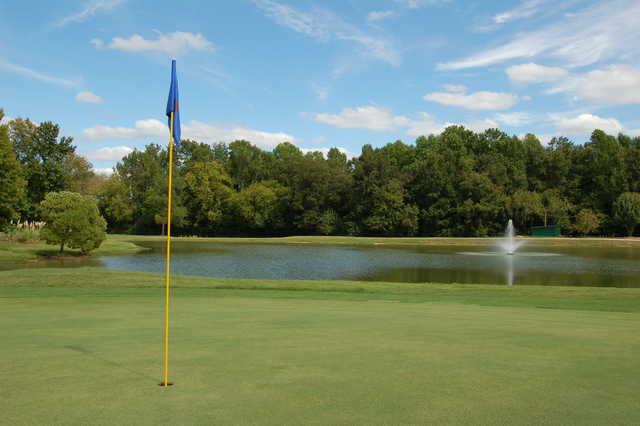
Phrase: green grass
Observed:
(83, 346)
(412, 241)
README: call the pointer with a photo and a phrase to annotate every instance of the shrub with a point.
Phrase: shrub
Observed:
(72, 220)
(587, 222)
(24, 232)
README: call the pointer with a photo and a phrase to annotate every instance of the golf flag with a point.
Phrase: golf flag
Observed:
(173, 105)
(173, 114)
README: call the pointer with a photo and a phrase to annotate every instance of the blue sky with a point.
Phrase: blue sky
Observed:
(319, 73)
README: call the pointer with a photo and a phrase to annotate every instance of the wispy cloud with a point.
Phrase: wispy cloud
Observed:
(88, 97)
(525, 9)
(456, 96)
(379, 15)
(599, 32)
(323, 26)
(89, 9)
(171, 43)
(38, 75)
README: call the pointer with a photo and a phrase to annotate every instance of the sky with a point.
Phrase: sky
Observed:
(319, 74)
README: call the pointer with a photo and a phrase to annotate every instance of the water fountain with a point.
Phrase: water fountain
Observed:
(509, 245)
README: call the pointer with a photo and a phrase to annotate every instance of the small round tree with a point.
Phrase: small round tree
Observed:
(587, 222)
(72, 220)
(626, 211)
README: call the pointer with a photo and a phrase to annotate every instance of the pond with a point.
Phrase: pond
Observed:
(559, 266)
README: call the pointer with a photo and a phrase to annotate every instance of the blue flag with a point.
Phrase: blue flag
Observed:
(173, 105)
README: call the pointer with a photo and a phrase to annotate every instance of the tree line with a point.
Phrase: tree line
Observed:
(457, 183)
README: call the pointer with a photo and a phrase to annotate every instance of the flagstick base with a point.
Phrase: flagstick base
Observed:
(164, 386)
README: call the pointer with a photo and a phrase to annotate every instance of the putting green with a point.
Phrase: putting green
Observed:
(372, 354)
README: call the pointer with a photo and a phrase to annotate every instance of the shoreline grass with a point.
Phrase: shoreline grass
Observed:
(96, 281)
(392, 241)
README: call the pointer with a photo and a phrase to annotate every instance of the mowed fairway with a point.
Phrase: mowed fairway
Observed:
(83, 346)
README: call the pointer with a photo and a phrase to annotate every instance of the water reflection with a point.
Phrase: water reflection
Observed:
(618, 267)
(509, 269)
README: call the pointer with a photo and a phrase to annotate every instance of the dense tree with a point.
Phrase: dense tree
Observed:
(626, 211)
(144, 174)
(45, 159)
(12, 183)
(457, 183)
(207, 195)
(72, 220)
(115, 204)
(260, 207)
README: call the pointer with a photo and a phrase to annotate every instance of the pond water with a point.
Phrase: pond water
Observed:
(560, 266)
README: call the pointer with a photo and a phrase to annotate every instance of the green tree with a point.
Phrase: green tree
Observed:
(626, 210)
(587, 222)
(556, 208)
(115, 204)
(207, 193)
(12, 183)
(144, 173)
(44, 157)
(392, 215)
(72, 220)
(248, 164)
(526, 207)
(260, 207)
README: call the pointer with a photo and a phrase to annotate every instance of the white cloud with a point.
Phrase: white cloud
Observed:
(38, 75)
(364, 117)
(104, 171)
(142, 129)
(513, 119)
(525, 9)
(212, 133)
(172, 43)
(599, 32)
(324, 26)
(379, 15)
(382, 119)
(425, 125)
(613, 85)
(109, 153)
(534, 73)
(89, 9)
(203, 132)
(88, 97)
(584, 124)
(477, 101)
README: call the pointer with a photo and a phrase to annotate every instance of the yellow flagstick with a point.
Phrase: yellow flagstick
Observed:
(165, 375)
